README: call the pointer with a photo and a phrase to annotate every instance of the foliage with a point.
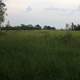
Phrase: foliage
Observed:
(25, 27)
(39, 55)
(2, 11)
(75, 27)
(37, 27)
(49, 28)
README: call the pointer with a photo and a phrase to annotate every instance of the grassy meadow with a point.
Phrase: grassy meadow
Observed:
(39, 55)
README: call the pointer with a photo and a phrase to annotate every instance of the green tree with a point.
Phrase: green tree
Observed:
(2, 12)
(38, 27)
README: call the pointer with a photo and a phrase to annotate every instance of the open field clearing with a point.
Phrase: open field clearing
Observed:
(39, 55)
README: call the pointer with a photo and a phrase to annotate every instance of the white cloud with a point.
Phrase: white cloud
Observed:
(57, 11)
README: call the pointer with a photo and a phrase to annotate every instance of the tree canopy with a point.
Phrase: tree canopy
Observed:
(2, 11)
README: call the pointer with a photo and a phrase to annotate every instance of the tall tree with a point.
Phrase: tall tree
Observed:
(72, 26)
(2, 12)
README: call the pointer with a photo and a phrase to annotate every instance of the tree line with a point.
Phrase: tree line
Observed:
(27, 27)
(73, 27)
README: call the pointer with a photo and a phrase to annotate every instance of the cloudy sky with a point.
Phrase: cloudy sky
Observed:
(43, 12)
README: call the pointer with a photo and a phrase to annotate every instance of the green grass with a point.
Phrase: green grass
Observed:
(39, 55)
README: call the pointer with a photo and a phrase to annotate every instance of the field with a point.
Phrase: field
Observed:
(39, 55)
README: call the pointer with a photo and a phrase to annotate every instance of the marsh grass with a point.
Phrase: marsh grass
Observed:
(40, 55)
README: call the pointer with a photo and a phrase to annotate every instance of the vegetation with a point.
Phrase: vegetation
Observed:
(74, 27)
(2, 12)
(30, 52)
(27, 27)
(39, 55)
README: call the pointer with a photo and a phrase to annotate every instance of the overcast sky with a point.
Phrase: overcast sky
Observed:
(43, 12)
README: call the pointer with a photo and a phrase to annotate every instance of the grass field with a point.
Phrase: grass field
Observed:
(39, 55)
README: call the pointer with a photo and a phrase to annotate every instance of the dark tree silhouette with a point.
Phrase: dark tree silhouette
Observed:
(49, 28)
(2, 12)
(72, 26)
(38, 27)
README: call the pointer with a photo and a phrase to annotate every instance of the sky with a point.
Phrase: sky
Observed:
(44, 12)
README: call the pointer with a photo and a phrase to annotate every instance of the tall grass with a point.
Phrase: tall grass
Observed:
(39, 55)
